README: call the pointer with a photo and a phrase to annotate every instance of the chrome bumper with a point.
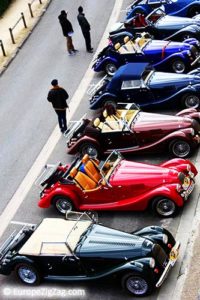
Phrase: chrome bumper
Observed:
(173, 256)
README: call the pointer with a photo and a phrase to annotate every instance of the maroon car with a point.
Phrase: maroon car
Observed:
(130, 130)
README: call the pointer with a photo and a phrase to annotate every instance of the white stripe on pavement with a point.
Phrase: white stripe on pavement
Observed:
(42, 158)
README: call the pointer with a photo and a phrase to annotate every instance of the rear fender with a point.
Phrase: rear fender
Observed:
(100, 64)
(10, 265)
(100, 100)
(75, 148)
(187, 111)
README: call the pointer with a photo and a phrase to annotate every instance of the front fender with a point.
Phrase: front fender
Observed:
(176, 55)
(180, 165)
(194, 29)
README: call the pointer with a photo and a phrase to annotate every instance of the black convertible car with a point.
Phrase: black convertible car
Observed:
(161, 26)
(79, 249)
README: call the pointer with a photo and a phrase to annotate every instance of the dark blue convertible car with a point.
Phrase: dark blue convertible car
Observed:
(161, 26)
(140, 84)
(168, 56)
(181, 8)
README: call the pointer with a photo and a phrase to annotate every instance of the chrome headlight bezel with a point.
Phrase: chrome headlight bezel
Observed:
(165, 239)
(152, 263)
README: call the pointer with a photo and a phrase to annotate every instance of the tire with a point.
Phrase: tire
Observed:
(110, 68)
(136, 284)
(190, 101)
(62, 204)
(180, 148)
(164, 207)
(90, 149)
(178, 66)
(27, 274)
(193, 11)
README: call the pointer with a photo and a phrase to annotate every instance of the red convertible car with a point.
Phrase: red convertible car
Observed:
(117, 184)
(130, 130)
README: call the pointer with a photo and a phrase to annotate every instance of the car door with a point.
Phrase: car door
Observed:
(103, 194)
(61, 265)
(136, 91)
(117, 140)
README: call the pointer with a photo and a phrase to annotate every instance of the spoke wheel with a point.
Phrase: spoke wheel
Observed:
(110, 69)
(178, 66)
(193, 11)
(27, 274)
(164, 207)
(89, 149)
(136, 285)
(191, 101)
(62, 204)
(180, 148)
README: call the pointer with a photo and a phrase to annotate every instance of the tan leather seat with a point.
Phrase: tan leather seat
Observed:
(126, 39)
(91, 168)
(117, 46)
(83, 180)
(97, 123)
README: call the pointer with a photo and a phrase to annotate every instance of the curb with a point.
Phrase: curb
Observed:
(183, 282)
(22, 42)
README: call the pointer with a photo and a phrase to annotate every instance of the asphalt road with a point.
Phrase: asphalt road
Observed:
(27, 120)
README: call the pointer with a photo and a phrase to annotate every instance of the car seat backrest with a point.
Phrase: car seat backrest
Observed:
(126, 39)
(97, 123)
(84, 181)
(92, 171)
(117, 46)
(73, 172)
(85, 158)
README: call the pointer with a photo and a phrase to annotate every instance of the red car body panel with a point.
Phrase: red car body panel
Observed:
(151, 133)
(131, 186)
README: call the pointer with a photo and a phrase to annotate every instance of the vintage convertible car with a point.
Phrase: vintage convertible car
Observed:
(130, 130)
(161, 26)
(181, 8)
(164, 56)
(77, 248)
(117, 184)
(140, 84)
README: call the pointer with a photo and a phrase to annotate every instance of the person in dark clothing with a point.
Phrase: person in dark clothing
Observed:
(58, 96)
(67, 31)
(85, 27)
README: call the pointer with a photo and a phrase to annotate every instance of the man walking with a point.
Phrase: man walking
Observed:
(85, 27)
(58, 97)
(67, 31)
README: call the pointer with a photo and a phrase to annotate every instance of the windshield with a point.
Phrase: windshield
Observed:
(110, 164)
(155, 15)
(82, 222)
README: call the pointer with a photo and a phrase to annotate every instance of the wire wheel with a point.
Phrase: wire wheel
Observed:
(136, 285)
(89, 149)
(180, 148)
(164, 207)
(178, 66)
(191, 101)
(27, 274)
(110, 69)
(62, 204)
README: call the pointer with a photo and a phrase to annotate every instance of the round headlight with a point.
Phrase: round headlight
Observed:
(188, 167)
(152, 263)
(189, 53)
(165, 239)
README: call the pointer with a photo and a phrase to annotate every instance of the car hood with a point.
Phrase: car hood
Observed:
(157, 46)
(162, 79)
(151, 121)
(110, 243)
(129, 173)
(173, 22)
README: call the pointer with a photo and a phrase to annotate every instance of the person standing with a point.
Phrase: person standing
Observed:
(85, 27)
(67, 31)
(58, 97)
